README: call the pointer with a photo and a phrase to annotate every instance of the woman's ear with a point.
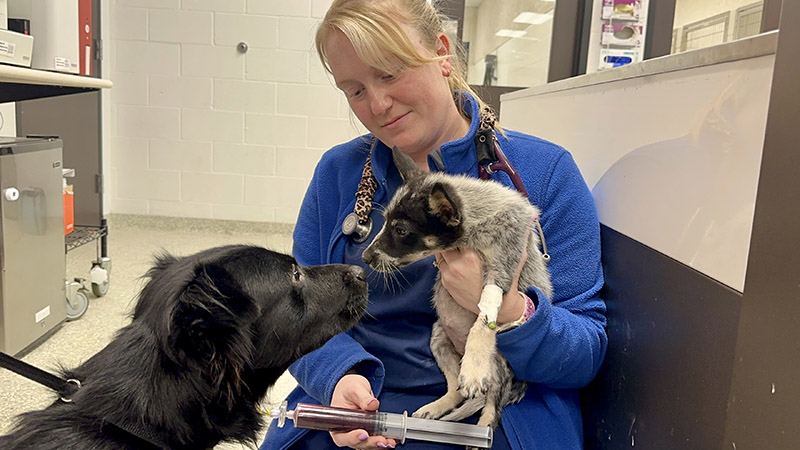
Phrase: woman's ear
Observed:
(443, 49)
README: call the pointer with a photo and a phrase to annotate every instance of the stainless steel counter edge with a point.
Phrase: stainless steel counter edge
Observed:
(760, 45)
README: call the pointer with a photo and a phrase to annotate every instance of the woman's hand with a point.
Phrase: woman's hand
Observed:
(462, 276)
(353, 391)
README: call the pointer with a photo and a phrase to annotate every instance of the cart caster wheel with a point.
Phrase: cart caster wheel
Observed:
(100, 289)
(100, 276)
(77, 306)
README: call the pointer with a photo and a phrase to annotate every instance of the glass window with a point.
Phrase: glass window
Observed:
(508, 43)
(703, 23)
(748, 20)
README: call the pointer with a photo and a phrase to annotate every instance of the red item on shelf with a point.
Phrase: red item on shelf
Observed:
(69, 210)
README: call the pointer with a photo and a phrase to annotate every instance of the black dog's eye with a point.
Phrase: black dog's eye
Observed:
(296, 275)
(400, 230)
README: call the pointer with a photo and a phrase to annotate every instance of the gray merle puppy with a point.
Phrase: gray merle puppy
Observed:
(435, 212)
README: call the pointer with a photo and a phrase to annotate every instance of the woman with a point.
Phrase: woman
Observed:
(403, 81)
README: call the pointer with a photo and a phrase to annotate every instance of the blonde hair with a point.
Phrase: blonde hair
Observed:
(374, 27)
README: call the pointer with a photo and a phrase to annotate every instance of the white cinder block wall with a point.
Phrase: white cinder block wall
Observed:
(197, 129)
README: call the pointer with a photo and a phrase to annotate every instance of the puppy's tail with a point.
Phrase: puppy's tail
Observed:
(466, 409)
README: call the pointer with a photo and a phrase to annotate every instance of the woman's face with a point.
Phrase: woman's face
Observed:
(413, 111)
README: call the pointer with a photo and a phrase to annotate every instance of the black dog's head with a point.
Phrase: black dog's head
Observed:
(210, 334)
(237, 310)
(423, 218)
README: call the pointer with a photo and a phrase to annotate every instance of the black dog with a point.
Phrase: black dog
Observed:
(210, 334)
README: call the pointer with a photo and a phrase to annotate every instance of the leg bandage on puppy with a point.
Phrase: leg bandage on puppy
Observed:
(491, 300)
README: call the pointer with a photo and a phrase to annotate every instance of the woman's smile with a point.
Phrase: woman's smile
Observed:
(395, 122)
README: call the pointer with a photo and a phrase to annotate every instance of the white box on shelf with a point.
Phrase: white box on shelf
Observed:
(15, 48)
(54, 26)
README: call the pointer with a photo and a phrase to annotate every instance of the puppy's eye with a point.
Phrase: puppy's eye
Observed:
(400, 230)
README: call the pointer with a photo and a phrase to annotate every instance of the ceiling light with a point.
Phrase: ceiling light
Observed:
(510, 33)
(533, 18)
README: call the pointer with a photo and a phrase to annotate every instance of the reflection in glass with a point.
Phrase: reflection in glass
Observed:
(703, 23)
(508, 43)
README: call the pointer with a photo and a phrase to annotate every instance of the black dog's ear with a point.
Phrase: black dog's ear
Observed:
(162, 262)
(442, 204)
(211, 318)
(405, 165)
(152, 295)
(210, 331)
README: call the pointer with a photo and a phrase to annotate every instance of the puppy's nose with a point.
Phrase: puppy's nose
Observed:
(368, 256)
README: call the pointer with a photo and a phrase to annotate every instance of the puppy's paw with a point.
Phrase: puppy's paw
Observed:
(474, 378)
(427, 412)
(472, 388)
(432, 410)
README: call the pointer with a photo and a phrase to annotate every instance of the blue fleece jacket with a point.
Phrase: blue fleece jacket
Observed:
(556, 351)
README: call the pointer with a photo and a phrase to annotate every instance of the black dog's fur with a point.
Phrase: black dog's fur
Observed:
(210, 334)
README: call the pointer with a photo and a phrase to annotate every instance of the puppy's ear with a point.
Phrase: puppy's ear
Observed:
(211, 318)
(406, 166)
(442, 204)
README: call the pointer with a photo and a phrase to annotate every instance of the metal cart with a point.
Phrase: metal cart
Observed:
(99, 275)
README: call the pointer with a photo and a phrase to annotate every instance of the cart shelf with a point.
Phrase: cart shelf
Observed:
(83, 235)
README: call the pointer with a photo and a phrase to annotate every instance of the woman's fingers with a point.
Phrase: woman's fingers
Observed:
(359, 439)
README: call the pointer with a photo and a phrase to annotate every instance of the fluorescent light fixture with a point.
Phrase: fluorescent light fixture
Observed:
(510, 33)
(533, 18)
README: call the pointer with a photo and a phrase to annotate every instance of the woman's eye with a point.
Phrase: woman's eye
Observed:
(355, 93)
(387, 77)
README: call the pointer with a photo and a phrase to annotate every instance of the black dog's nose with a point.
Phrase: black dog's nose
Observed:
(355, 273)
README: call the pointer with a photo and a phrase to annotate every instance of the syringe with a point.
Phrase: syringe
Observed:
(390, 425)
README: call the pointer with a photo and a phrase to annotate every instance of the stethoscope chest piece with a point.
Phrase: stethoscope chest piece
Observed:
(358, 232)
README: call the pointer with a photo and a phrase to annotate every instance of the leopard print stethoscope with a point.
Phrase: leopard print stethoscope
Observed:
(357, 224)
(491, 159)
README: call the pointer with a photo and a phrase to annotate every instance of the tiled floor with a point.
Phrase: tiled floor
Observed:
(131, 249)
